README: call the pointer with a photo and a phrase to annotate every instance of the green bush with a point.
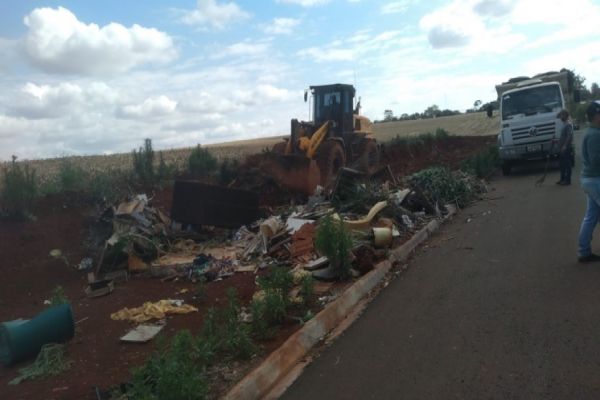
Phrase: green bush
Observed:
(19, 188)
(172, 373)
(441, 186)
(143, 163)
(441, 134)
(334, 240)
(421, 140)
(71, 177)
(483, 163)
(58, 297)
(272, 309)
(235, 335)
(228, 171)
(202, 162)
(165, 171)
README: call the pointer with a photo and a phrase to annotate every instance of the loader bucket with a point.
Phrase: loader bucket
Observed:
(296, 172)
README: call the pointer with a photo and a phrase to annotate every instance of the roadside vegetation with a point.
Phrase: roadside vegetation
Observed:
(184, 367)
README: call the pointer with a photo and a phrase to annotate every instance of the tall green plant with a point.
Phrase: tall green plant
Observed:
(334, 240)
(202, 162)
(19, 189)
(143, 163)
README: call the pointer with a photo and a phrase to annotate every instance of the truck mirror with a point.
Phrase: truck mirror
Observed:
(305, 96)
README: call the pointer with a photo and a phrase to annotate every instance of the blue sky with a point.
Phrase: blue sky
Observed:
(82, 77)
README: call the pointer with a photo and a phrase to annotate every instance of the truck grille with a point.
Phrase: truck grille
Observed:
(542, 131)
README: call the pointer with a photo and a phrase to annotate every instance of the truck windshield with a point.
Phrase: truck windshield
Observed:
(541, 99)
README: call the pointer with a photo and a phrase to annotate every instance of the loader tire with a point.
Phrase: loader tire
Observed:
(330, 159)
(368, 161)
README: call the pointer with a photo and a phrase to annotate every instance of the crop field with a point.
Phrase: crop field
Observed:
(475, 124)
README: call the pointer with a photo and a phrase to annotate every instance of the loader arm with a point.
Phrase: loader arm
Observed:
(311, 145)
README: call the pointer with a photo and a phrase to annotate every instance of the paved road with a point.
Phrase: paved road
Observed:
(496, 308)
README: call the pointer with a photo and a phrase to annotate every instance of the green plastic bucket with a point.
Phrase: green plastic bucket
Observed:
(21, 339)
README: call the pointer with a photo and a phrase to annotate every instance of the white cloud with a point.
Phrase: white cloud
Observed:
(243, 49)
(157, 106)
(33, 101)
(281, 26)
(305, 3)
(212, 14)
(495, 8)
(57, 42)
(396, 7)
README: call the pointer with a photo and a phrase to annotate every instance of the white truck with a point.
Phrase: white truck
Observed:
(529, 128)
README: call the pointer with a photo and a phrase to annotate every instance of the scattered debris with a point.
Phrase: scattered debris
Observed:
(51, 360)
(150, 311)
(142, 333)
(100, 288)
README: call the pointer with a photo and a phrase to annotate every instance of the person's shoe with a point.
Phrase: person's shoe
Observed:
(589, 258)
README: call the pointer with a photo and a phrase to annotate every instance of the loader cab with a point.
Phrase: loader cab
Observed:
(335, 103)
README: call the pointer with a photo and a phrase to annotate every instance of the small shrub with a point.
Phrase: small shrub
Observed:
(58, 296)
(228, 171)
(143, 163)
(19, 189)
(441, 134)
(440, 186)
(236, 342)
(334, 240)
(307, 288)
(71, 177)
(272, 309)
(483, 163)
(172, 373)
(202, 162)
(164, 171)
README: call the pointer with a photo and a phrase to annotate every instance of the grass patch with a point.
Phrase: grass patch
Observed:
(420, 140)
(201, 162)
(19, 188)
(483, 163)
(51, 360)
(334, 241)
(441, 186)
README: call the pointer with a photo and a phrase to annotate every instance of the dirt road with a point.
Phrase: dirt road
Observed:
(495, 307)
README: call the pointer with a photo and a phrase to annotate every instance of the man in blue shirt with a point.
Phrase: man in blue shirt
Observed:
(590, 182)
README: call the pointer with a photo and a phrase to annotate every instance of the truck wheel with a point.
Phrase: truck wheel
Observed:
(368, 161)
(506, 167)
(330, 158)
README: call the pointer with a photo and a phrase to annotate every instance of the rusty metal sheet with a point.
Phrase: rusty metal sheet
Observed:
(203, 204)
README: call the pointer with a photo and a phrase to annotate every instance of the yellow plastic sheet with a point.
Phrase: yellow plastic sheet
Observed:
(150, 311)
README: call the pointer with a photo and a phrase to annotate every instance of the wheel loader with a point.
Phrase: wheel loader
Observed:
(336, 137)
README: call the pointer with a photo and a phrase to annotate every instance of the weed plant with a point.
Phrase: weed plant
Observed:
(143, 163)
(483, 163)
(201, 162)
(334, 241)
(19, 188)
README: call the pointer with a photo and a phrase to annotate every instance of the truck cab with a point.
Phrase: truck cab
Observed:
(529, 126)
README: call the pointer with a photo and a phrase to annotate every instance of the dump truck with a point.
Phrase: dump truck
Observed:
(336, 136)
(529, 127)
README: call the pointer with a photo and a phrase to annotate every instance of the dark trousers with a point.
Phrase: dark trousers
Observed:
(565, 162)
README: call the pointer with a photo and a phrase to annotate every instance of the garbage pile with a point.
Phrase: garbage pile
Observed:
(376, 217)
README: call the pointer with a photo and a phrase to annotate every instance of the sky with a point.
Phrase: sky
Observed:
(97, 77)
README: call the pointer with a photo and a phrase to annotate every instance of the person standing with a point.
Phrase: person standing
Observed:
(565, 147)
(590, 183)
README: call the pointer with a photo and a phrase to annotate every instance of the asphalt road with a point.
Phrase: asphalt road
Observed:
(493, 308)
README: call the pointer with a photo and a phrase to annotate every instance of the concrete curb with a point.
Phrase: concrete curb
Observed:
(259, 381)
